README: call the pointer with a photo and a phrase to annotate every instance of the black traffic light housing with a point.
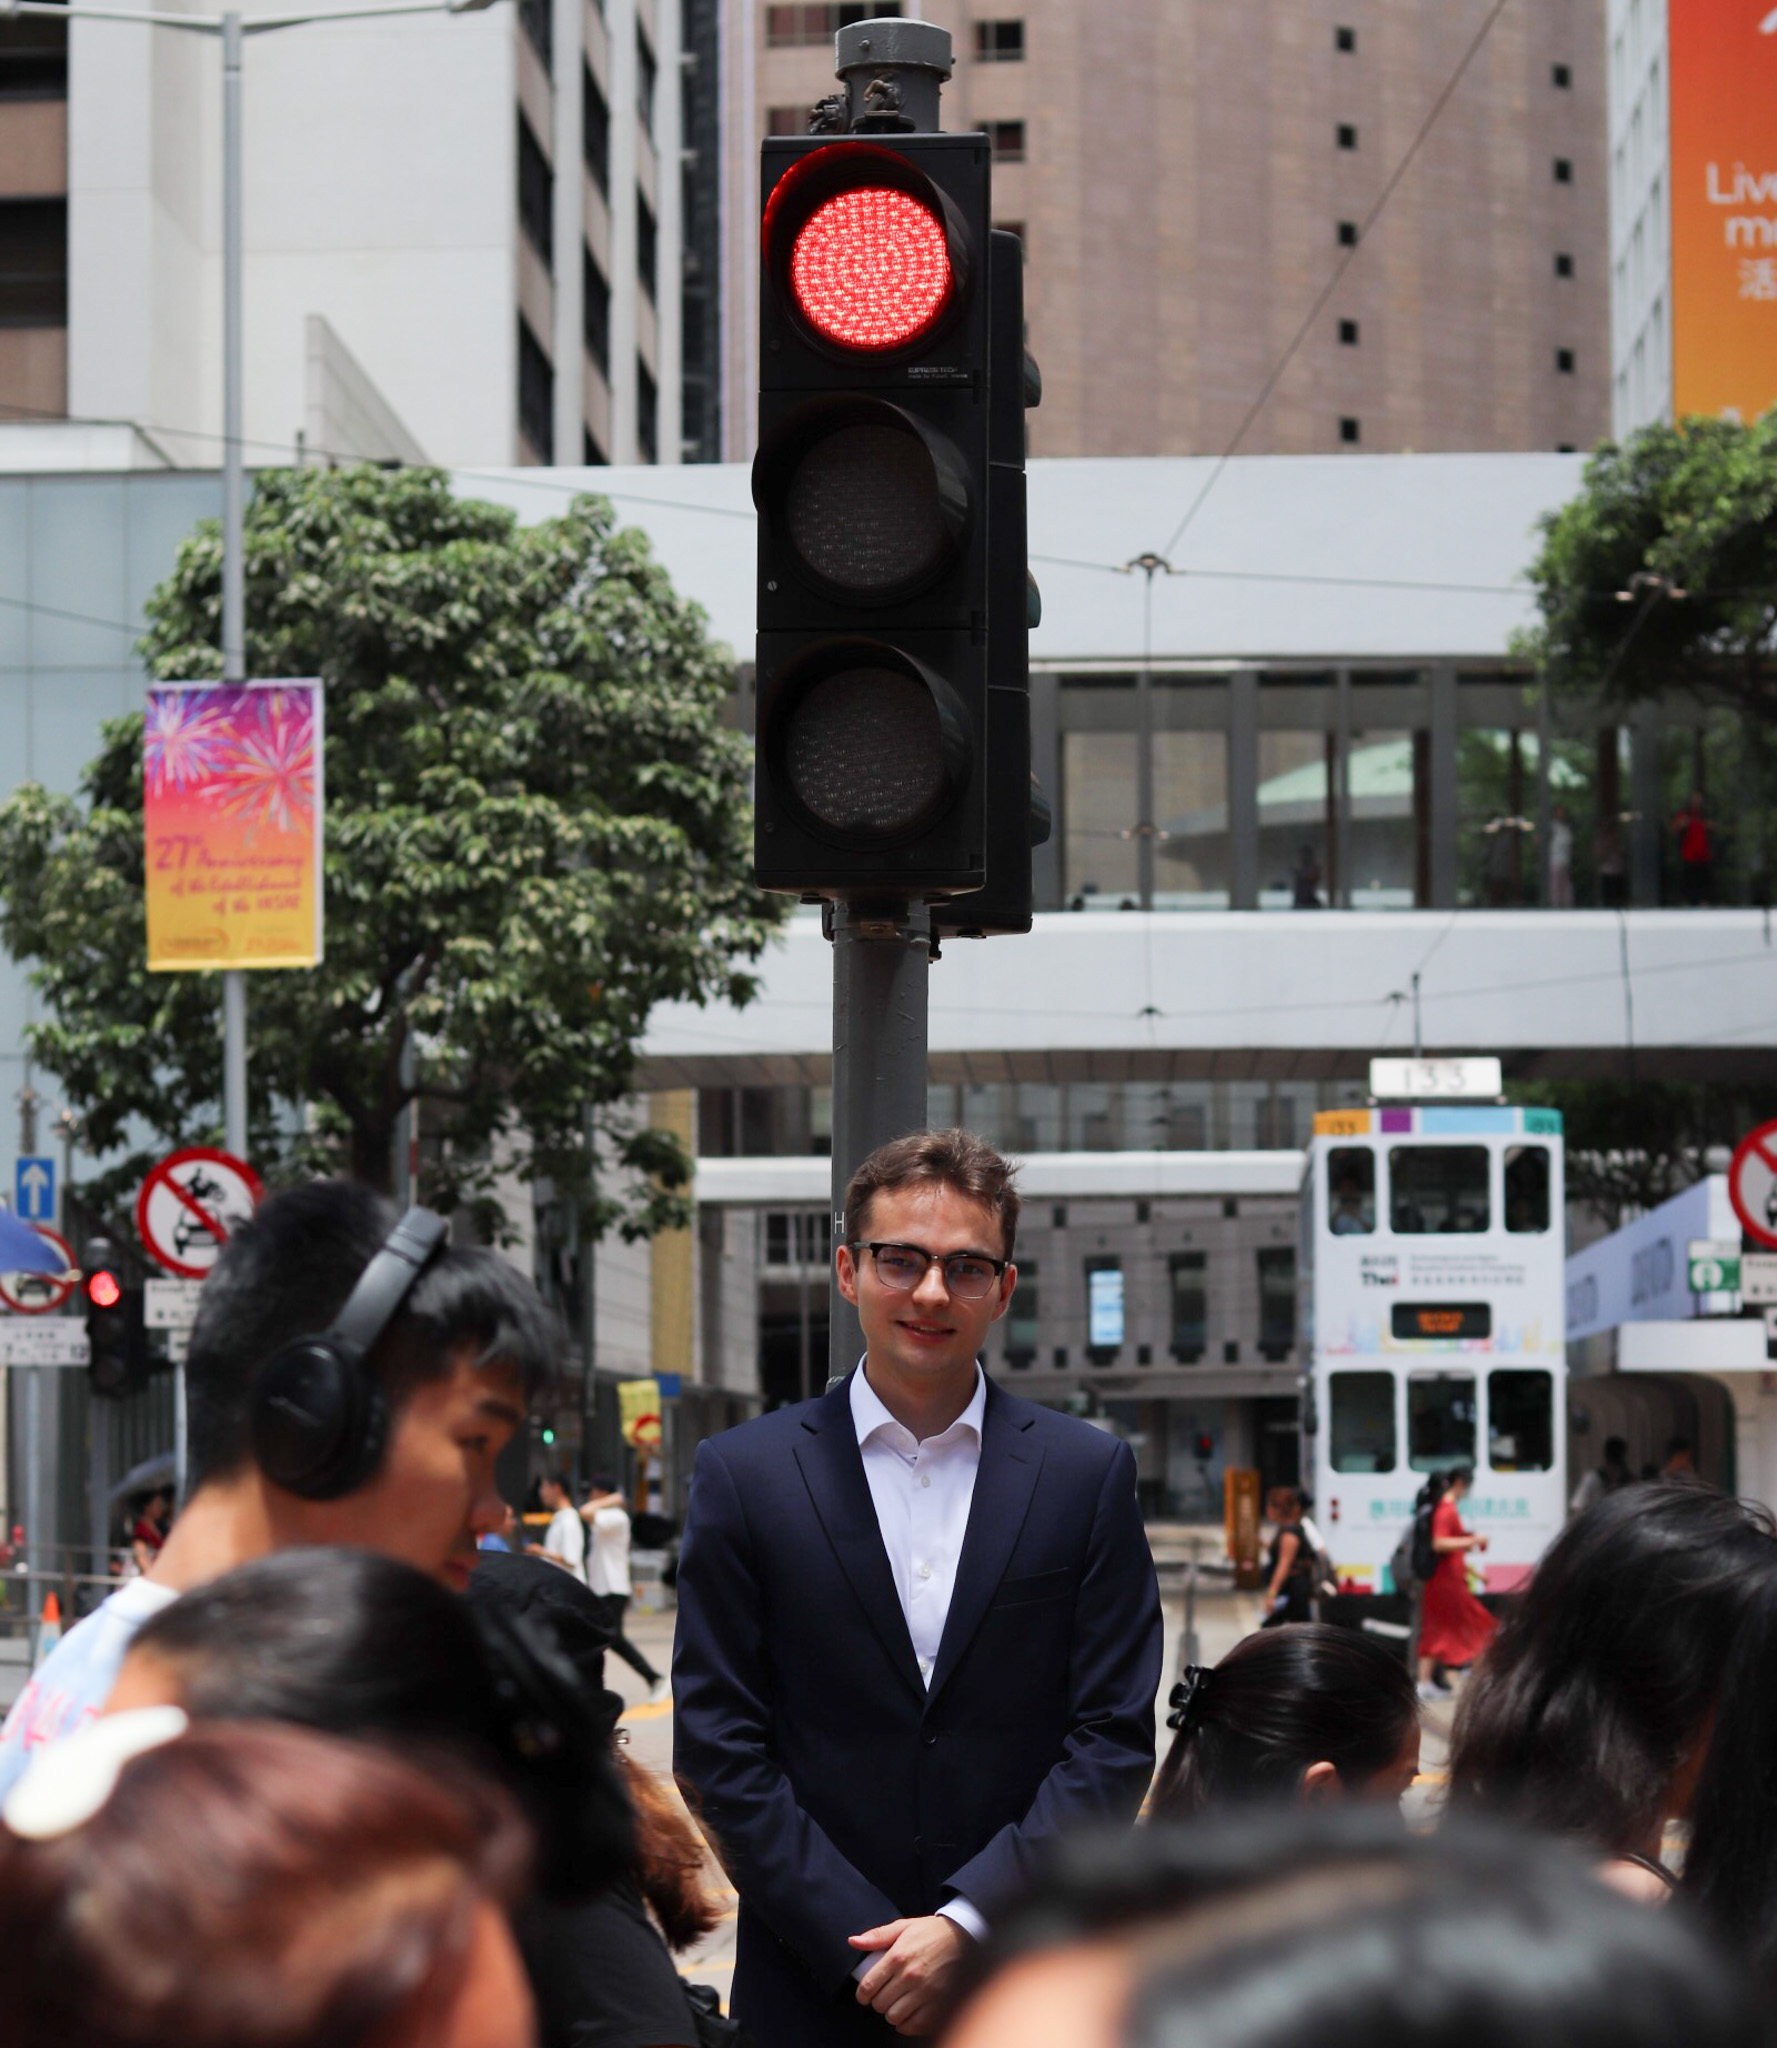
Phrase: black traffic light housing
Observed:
(872, 486)
(116, 1332)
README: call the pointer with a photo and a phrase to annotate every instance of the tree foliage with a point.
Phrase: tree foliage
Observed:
(537, 828)
(1631, 1145)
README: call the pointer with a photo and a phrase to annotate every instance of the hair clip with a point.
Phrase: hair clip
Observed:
(68, 1783)
(1187, 1698)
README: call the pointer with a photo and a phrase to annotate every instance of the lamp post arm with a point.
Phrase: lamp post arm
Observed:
(211, 24)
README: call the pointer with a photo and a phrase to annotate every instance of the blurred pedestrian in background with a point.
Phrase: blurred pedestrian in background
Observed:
(1633, 1684)
(1599, 1480)
(148, 1530)
(564, 1541)
(166, 1886)
(1454, 1628)
(607, 1574)
(1344, 1930)
(1289, 1563)
(1312, 1713)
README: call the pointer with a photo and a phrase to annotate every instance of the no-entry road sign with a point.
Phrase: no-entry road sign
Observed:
(188, 1205)
(1752, 1184)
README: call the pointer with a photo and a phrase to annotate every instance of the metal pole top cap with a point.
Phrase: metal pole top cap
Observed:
(872, 45)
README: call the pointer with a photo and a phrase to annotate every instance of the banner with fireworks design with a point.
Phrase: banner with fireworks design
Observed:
(231, 779)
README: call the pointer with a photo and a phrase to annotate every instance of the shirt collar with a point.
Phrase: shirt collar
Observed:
(869, 1415)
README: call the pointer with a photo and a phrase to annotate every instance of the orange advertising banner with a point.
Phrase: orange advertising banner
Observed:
(1723, 71)
(231, 777)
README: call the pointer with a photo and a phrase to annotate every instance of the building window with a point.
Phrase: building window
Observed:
(1187, 1280)
(34, 60)
(791, 28)
(795, 1238)
(595, 132)
(1348, 333)
(595, 311)
(999, 42)
(1564, 361)
(786, 120)
(1560, 77)
(1350, 430)
(1563, 264)
(647, 414)
(1563, 171)
(647, 244)
(1274, 1124)
(1006, 140)
(536, 193)
(1348, 234)
(536, 394)
(1347, 133)
(538, 19)
(1345, 39)
(1277, 1302)
(1022, 1318)
(590, 452)
(646, 73)
(33, 263)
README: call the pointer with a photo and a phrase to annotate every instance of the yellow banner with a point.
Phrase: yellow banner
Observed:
(638, 1409)
(231, 810)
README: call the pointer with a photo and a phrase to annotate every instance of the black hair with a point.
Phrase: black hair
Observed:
(1616, 1450)
(290, 1269)
(1281, 1700)
(353, 1643)
(1649, 1627)
(1675, 1445)
(1269, 1929)
(1459, 1475)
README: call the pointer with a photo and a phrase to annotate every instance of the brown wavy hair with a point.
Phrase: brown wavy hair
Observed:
(253, 1885)
(671, 1861)
(954, 1159)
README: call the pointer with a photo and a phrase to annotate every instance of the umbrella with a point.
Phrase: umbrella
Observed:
(23, 1251)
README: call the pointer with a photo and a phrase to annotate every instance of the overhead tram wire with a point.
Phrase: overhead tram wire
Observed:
(1339, 269)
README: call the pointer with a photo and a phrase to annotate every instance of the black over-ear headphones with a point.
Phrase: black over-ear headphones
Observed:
(320, 1421)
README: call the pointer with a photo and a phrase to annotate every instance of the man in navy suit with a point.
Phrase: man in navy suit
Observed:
(919, 1632)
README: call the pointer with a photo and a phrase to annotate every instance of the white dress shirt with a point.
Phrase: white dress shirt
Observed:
(922, 1489)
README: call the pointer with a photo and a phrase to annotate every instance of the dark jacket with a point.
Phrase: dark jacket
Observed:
(841, 1792)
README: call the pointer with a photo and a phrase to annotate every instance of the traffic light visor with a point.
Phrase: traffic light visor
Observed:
(102, 1290)
(871, 746)
(871, 268)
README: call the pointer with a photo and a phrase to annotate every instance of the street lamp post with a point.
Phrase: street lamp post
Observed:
(232, 27)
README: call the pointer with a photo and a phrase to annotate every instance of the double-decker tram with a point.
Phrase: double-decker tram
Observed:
(1433, 1250)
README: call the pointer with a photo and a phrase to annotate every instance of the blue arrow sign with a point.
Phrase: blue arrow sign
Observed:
(34, 1186)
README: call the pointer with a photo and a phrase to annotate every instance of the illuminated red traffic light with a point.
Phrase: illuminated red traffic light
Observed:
(871, 268)
(102, 1290)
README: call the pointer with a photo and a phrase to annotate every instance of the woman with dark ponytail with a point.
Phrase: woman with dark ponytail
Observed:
(1308, 1713)
(1634, 1684)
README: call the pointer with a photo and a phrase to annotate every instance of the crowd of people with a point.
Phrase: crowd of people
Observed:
(340, 1769)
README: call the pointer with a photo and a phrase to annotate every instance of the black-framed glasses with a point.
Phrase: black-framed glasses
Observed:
(969, 1275)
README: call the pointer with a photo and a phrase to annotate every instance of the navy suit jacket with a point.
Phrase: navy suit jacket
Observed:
(839, 1790)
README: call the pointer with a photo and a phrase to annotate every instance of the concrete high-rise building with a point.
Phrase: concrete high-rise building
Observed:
(1640, 216)
(1187, 177)
(462, 236)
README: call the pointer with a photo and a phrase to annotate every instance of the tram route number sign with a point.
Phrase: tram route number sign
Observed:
(1713, 1265)
(1752, 1185)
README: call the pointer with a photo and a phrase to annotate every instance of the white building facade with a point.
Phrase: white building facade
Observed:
(1640, 215)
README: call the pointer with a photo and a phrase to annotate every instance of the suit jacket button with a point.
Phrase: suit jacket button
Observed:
(930, 1738)
(919, 1845)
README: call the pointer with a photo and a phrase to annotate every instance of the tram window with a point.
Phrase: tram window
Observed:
(1527, 1187)
(1361, 1424)
(1351, 1191)
(1520, 1421)
(1434, 1189)
(1440, 1422)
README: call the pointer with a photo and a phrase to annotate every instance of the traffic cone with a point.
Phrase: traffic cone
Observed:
(49, 1627)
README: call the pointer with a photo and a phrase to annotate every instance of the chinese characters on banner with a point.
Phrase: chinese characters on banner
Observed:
(1723, 57)
(232, 812)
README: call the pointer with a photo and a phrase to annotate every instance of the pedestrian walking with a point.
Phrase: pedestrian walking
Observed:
(1309, 1714)
(1289, 1562)
(380, 1431)
(1609, 1477)
(564, 1541)
(1696, 851)
(1633, 1686)
(1454, 1628)
(1560, 859)
(608, 1575)
(919, 1631)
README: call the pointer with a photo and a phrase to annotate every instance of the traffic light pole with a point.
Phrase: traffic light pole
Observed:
(881, 966)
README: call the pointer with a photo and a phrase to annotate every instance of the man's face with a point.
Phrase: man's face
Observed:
(927, 1334)
(433, 1496)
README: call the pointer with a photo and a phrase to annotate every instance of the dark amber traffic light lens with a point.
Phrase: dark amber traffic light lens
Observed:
(869, 752)
(870, 269)
(864, 509)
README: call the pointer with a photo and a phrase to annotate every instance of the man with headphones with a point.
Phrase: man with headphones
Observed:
(379, 1430)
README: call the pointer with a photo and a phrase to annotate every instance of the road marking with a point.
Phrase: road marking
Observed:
(646, 1710)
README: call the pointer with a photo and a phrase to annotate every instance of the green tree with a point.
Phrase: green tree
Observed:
(1632, 1144)
(1660, 579)
(537, 828)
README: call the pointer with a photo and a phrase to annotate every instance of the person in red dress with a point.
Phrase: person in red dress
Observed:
(1455, 1628)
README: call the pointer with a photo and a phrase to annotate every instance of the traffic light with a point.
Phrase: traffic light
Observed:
(1017, 811)
(1205, 1447)
(872, 488)
(115, 1332)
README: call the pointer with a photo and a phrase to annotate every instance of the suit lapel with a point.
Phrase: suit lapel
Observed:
(1005, 1480)
(833, 1471)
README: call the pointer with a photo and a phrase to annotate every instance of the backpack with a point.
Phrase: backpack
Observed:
(1414, 1559)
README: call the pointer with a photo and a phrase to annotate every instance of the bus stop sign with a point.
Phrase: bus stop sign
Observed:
(1752, 1185)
